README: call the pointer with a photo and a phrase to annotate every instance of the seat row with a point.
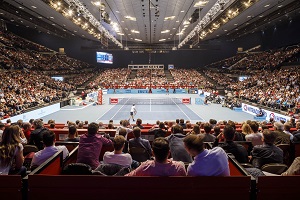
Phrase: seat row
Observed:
(47, 182)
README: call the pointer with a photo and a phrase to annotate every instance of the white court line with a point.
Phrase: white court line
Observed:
(181, 109)
(153, 111)
(104, 113)
(120, 108)
(77, 108)
(150, 105)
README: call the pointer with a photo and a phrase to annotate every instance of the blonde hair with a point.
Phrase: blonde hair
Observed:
(246, 129)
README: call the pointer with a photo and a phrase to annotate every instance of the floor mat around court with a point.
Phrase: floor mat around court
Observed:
(149, 113)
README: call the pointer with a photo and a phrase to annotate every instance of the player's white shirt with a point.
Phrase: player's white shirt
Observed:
(132, 109)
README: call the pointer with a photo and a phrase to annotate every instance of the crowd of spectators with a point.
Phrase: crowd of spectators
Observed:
(265, 84)
(178, 154)
(155, 76)
(18, 93)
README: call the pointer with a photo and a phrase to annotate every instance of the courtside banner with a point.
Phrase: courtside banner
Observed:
(253, 110)
(186, 100)
(100, 97)
(113, 100)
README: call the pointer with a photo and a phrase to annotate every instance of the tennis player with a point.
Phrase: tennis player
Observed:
(133, 112)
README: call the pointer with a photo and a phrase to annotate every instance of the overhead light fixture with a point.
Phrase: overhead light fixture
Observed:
(139, 40)
(134, 31)
(169, 18)
(161, 40)
(88, 20)
(200, 3)
(165, 31)
(130, 18)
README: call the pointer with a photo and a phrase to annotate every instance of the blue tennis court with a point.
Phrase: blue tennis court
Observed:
(152, 112)
(149, 107)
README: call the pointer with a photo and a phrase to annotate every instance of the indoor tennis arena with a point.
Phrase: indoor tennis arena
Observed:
(149, 99)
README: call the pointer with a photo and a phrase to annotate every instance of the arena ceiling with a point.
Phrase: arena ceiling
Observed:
(141, 24)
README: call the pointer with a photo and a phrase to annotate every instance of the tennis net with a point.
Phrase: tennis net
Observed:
(152, 101)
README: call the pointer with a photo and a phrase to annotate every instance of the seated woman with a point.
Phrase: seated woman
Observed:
(11, 152)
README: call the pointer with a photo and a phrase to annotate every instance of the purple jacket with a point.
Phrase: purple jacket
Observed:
(90, 147)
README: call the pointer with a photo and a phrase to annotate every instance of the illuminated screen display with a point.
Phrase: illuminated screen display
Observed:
(170, 66)
(242, 78)
(103, 57)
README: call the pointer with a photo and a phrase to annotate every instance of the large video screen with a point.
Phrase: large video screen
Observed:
(103, 57)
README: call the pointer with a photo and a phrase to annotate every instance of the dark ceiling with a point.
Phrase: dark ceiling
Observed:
(141, 24)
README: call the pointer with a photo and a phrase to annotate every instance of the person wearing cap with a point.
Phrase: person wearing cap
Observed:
(133, 112)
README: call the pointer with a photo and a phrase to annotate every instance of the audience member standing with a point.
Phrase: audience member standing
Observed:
(90, 146)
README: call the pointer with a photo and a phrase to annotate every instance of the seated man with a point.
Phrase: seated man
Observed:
(159, 131)
(267, 152)
(137, 141)
(49, 150)
(239, 151)
(207, 162)
(117, 156)
(175, 140)
(161, 165)
(73, 134)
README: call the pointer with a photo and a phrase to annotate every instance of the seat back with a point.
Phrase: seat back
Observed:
(274, 168)
(286, 152)
(77, 169)
(29, 148)
(139, 154)
(112, 170)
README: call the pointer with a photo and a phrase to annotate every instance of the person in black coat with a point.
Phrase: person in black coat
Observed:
(239, 151)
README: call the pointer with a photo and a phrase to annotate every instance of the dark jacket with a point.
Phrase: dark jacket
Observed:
(36, 137)
(265, 154)
(239, 151)
(158, 132)
(282, 138)
(177, 149)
